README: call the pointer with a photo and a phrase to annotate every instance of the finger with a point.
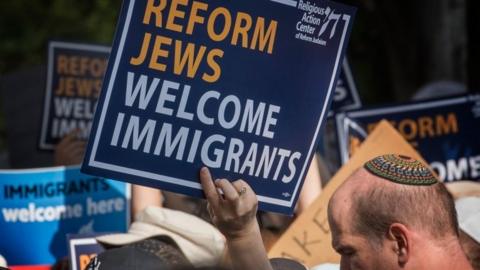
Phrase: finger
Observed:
(209, 187)
(229, 191)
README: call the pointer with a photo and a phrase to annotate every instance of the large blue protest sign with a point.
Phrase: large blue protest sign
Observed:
(74, 80)
(239, 86)
(40, 206)
(443, 131)
(346, 93)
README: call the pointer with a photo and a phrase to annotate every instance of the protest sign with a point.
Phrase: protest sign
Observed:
(346, 94)
(74, 80)
(308, 239)
(443, 131)
(82, 248)
(239, 86)
(40, 206)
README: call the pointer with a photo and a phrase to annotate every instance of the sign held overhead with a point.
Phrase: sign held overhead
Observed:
(241, 87)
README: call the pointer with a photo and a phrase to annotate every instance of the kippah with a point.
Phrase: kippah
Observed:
(401, 169)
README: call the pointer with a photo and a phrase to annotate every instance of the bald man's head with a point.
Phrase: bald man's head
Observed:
(394, 189)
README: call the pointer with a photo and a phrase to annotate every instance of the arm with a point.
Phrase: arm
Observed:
(234, 214)
(312, 187)
(143, 197)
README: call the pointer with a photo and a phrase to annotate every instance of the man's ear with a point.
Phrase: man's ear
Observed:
(400, 235)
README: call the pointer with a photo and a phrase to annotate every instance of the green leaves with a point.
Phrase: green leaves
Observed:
(26, 26)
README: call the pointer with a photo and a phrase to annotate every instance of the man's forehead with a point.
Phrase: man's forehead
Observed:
(340, 215)
(339, 212)
(343, 236)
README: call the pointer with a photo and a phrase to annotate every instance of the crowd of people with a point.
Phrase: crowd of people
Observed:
(392, 213)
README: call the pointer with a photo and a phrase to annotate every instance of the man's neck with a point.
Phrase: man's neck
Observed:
(448, 256)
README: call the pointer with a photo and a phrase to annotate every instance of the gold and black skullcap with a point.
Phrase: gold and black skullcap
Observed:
(401, 169)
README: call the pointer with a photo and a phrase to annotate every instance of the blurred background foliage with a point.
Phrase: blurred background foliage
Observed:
(395, 48)
(26, 26)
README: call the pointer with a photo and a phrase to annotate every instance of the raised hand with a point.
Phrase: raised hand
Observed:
(70, 150)
(233, 208)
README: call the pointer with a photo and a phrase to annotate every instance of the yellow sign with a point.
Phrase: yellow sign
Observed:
(308, 239)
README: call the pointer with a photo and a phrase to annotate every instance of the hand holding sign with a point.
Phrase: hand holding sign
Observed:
(234, 213)
(225, 86)
(70, 150)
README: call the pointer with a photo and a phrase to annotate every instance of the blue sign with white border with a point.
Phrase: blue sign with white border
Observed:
(74, 79)
(40, 206)
(443, 131)
(242, 87)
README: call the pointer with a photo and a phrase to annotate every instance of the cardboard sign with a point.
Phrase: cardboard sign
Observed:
(443, 131)
(308, 239)
(82, 248)
(40, 206)
(346, 94)
(239, 86)
(74, 80)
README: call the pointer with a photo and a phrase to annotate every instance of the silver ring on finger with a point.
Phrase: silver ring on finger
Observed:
(242, 191)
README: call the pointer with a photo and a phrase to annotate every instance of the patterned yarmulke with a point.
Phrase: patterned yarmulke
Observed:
(401, 169)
